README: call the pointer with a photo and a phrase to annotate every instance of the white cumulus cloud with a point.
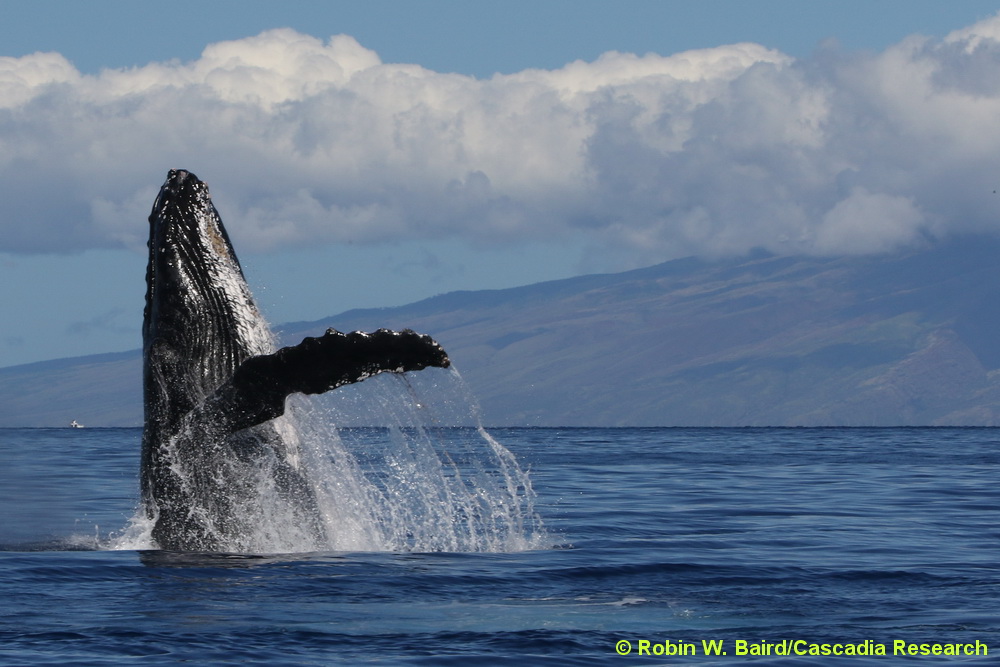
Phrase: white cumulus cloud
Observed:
(715, 151)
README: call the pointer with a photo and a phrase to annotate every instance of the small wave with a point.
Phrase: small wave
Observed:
(72, 543)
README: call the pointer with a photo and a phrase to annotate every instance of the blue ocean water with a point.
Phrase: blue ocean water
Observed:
(658, 541)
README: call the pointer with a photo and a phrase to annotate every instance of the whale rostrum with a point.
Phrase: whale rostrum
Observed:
(215, 384)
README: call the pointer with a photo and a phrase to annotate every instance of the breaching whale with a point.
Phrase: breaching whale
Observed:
(214, 386)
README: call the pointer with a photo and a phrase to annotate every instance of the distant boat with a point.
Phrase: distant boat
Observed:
(75, 424)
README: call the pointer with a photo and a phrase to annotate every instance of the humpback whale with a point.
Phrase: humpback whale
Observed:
(214, 386)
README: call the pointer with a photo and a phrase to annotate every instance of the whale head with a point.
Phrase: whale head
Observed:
(200, 320)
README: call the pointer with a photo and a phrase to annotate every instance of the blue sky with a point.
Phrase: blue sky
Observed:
(459, 145)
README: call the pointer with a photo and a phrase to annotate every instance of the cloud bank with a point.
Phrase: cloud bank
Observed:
(644, 158)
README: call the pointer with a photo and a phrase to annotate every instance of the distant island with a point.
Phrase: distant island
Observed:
(764, 340)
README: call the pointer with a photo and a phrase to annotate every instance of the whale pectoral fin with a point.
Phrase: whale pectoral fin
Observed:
(258, 388)
(317, 365)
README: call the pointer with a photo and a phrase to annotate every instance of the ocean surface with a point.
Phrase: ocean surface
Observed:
(669, 546)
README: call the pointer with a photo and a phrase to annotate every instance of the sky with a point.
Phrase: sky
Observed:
(374, 154)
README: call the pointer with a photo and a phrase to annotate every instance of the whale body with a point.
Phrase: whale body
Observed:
(216, 451)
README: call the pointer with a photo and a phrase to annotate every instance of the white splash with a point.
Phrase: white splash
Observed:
(415, 471)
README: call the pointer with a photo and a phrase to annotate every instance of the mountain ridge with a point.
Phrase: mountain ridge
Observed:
(761, 340)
